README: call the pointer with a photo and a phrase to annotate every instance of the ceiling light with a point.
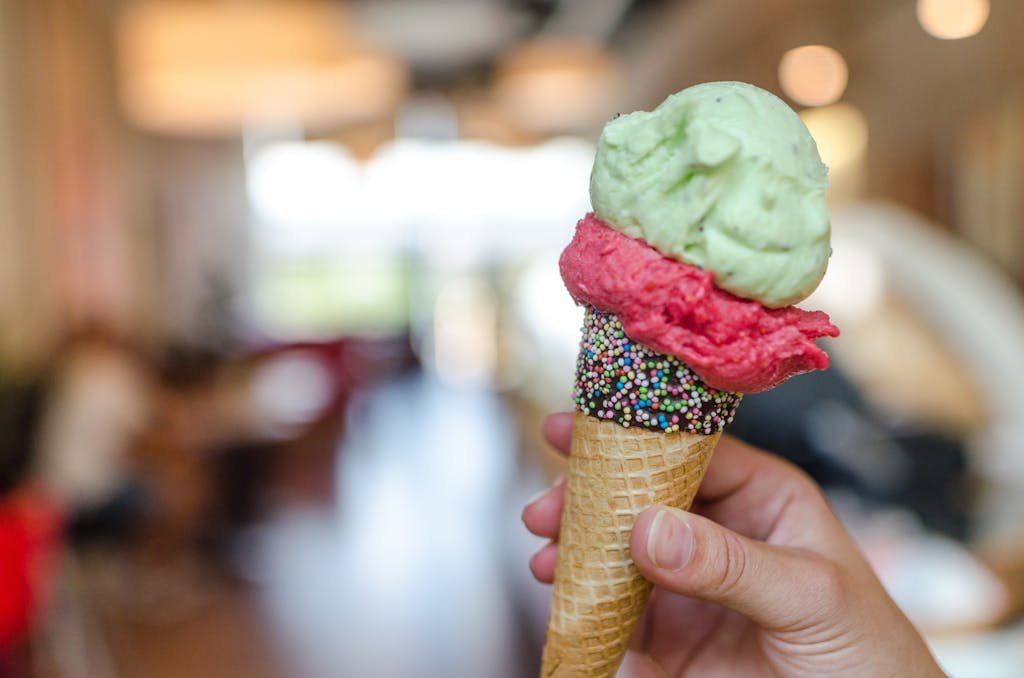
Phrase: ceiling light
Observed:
(210, 68)
(558, 85)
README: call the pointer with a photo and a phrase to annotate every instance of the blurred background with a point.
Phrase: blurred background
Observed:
(280, 315)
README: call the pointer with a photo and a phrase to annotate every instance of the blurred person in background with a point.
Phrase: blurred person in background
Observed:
(101, 401)
(66, 438)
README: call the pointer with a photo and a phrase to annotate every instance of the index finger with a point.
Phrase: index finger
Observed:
(753, 492)
(736, 467)
(557, 430)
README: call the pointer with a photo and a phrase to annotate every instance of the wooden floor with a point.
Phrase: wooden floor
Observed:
(418, 568)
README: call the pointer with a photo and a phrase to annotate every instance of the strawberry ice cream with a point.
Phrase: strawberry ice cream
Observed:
(733, 344)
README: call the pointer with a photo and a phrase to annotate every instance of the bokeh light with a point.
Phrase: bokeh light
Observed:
(952, 19)
(841, 132)
(813, 75)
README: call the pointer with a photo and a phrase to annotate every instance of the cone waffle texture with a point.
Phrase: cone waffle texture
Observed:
(599, 595)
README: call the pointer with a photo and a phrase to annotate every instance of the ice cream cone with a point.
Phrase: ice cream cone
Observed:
(614, 474)
(709, 223)
(643, 434)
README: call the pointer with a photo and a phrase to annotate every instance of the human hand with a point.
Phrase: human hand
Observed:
(760, 578)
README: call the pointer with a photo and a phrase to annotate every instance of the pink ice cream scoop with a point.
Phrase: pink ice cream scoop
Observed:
(733, 344)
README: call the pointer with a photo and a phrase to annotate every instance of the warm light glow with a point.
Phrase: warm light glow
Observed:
(841, 132)
(952, 19)
(210, 68)
(813, 75)
(557, 86)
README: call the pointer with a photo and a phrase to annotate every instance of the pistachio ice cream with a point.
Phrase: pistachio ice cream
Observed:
(723, 176)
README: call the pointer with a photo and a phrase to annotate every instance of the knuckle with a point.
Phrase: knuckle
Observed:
(802, 490)
(802, 484)
(801, 481)
(805, 492)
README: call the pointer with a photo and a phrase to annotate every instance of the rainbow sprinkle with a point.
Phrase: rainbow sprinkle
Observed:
(624, 381)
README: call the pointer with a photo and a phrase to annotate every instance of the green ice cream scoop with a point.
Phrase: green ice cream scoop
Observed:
(724, 176)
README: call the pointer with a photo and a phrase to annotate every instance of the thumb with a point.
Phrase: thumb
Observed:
(775, 587)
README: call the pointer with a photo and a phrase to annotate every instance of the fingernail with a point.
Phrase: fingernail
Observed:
(669, 540)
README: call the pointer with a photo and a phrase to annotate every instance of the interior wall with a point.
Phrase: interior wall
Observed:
(72, 258)
(28, 313)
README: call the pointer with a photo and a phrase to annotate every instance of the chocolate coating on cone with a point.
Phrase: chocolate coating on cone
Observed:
(599, 595)
(622, 380)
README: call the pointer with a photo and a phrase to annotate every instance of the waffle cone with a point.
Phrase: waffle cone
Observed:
(599, 595)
